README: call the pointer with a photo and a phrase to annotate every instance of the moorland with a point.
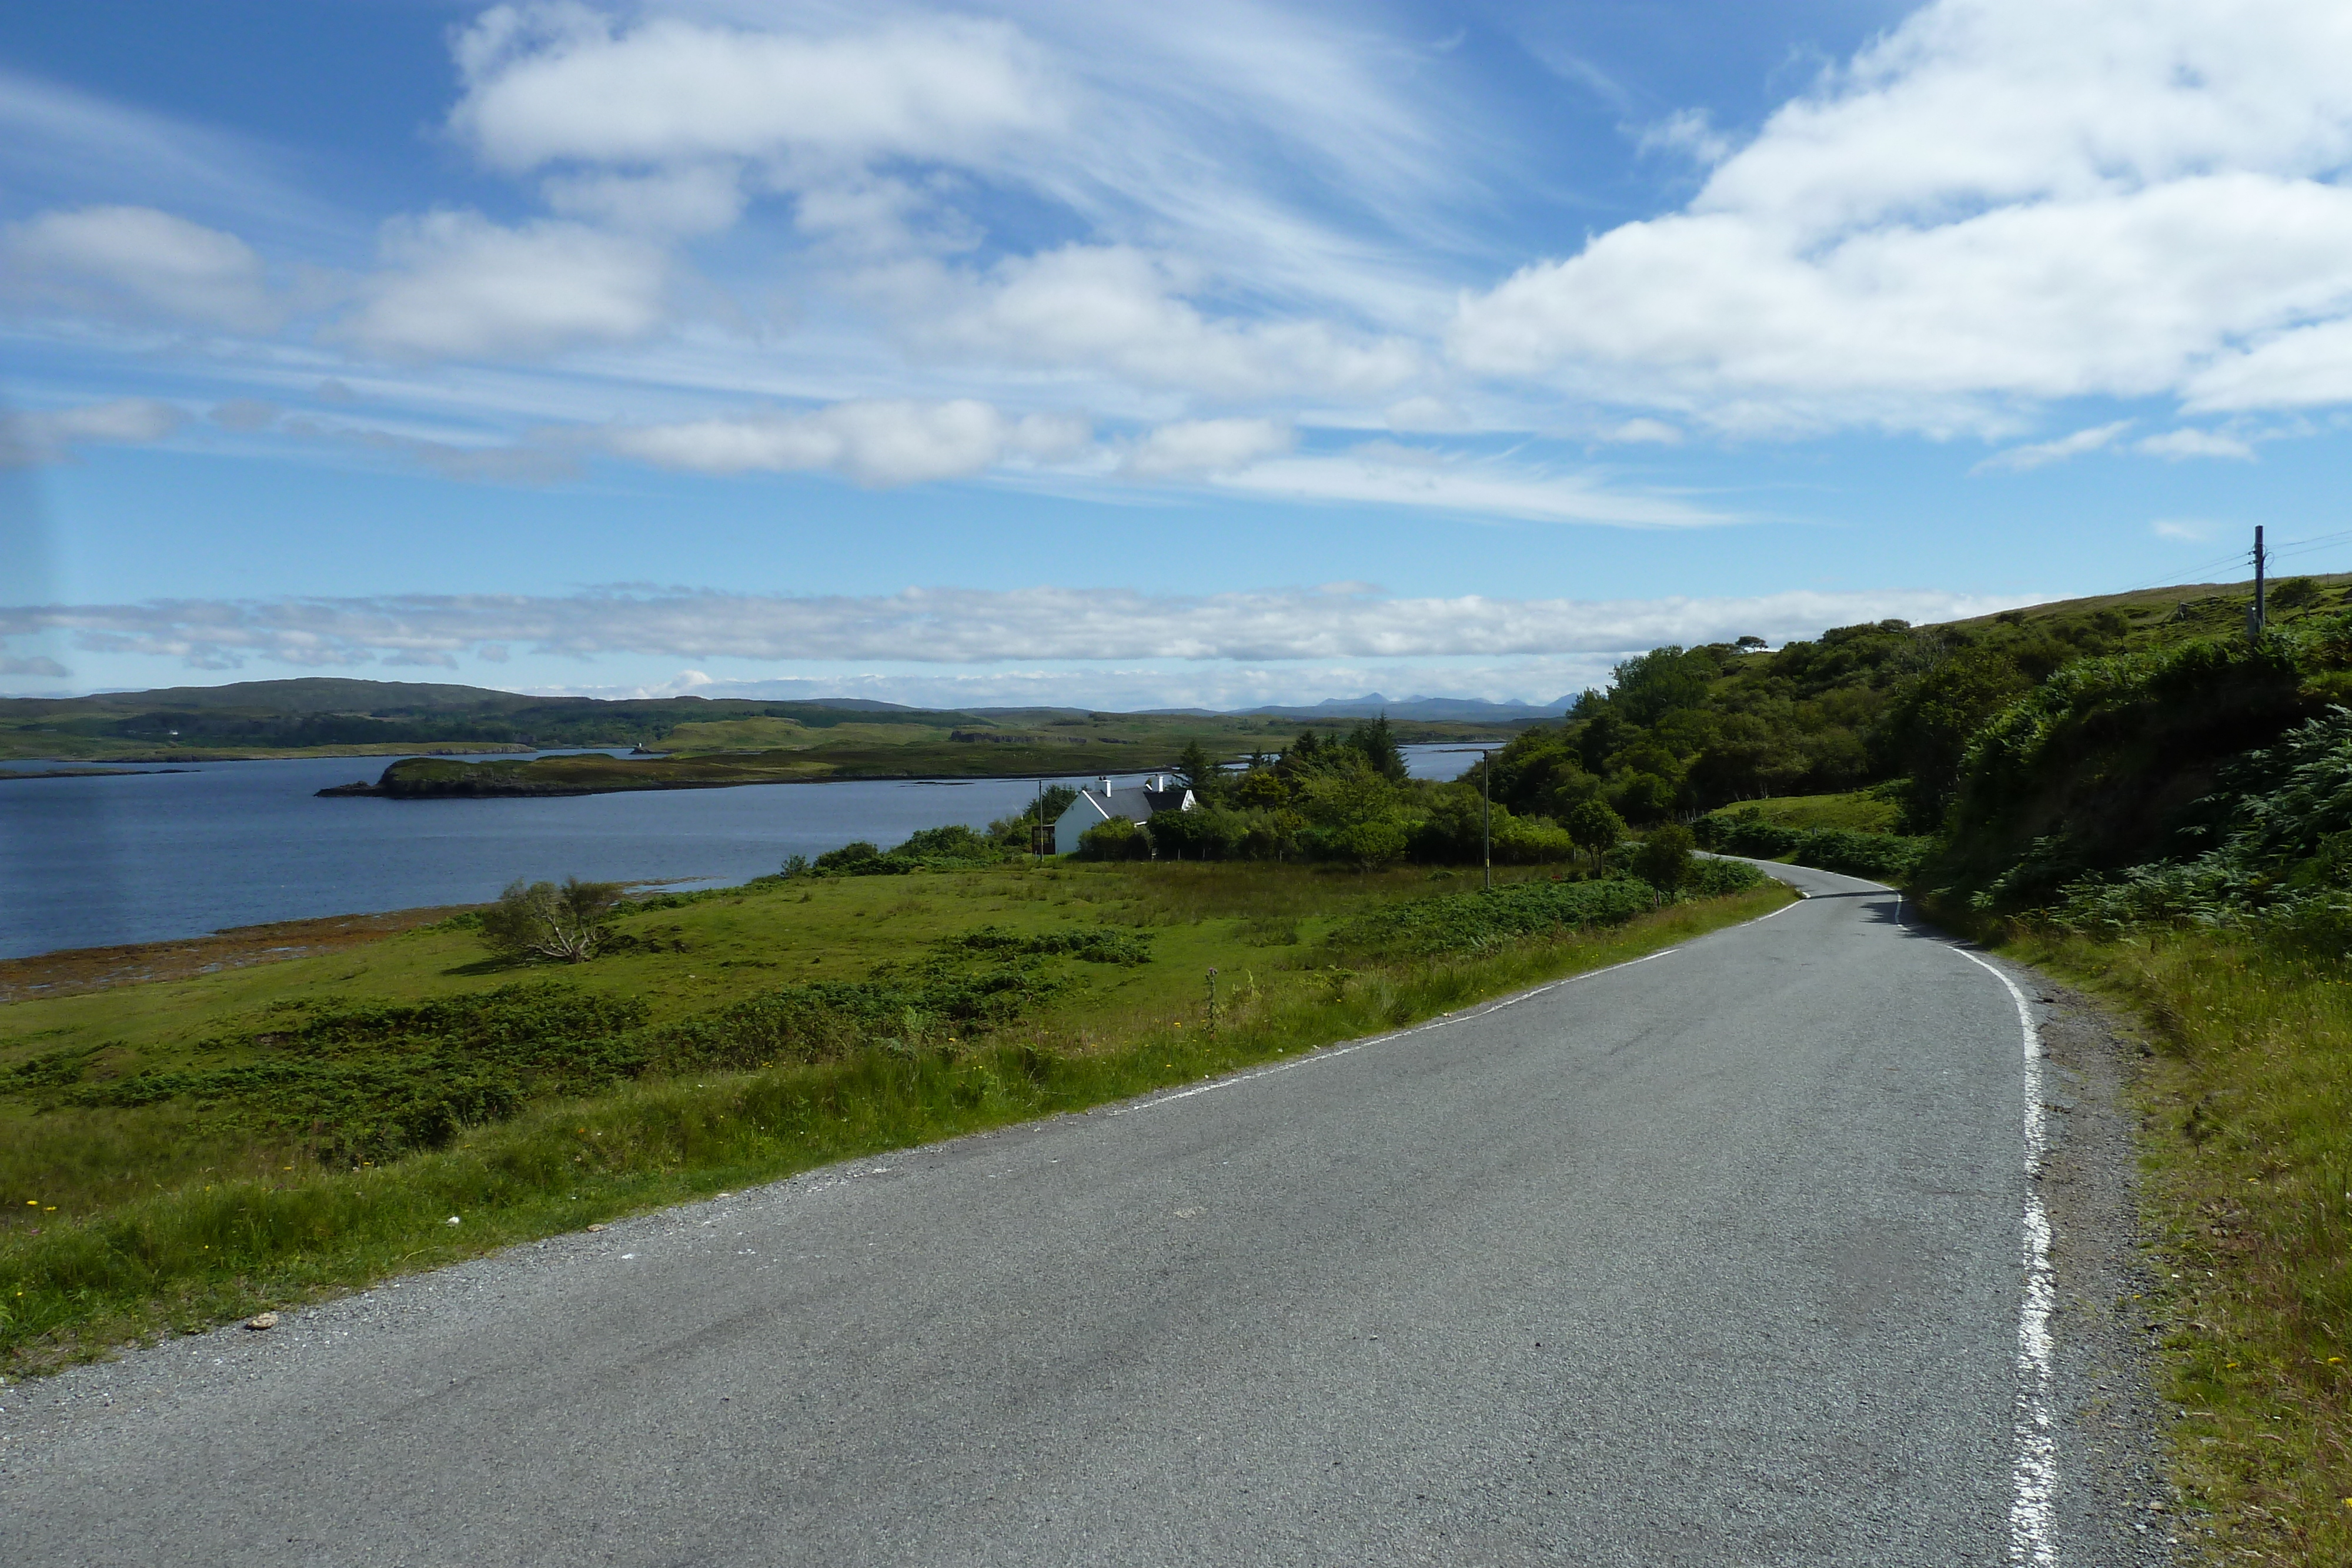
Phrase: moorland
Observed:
(712, 740)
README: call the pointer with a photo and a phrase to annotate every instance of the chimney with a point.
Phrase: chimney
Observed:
(1102, 784)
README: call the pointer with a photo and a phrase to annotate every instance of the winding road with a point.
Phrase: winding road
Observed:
(1727, 1255)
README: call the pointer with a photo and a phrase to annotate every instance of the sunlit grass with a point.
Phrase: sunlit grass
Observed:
(144, 1223)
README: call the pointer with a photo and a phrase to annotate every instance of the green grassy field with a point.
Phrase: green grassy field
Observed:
(1855, 811)
(174, 1154)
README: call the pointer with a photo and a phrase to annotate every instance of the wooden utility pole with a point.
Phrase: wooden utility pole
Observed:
(1487, 820)
(2261, 621)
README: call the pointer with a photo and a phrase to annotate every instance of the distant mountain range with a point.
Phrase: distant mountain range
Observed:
(1373, 705)
(329, 694)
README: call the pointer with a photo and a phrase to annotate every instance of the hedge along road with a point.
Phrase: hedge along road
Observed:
(1713, 1258)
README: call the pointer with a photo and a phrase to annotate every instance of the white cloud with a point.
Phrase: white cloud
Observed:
(1122, 310)
(2018, 459)
(1388, 473)
(2194, 443)
(1691, 132)
(47, 435)
(696, 200)
(551, 84)
(2187, 531)
(1999, 201)
(953, 626)
(1201, 447)
(878, 443)
(1652, 431)
(1423, 414)
(139, 265)
(461, 287)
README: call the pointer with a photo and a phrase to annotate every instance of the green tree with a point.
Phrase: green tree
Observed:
(1663, 681)
(1200, 774)
(1595, 828)
(542, 920)
(1925, 730)
(1261, 789)
(1377, 742)
(1663, 860)
(1644, 797)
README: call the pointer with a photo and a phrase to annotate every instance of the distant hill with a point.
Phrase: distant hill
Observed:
(1438, 710)
(340, 714)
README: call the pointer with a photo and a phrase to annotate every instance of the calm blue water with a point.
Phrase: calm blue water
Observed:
(86, 863)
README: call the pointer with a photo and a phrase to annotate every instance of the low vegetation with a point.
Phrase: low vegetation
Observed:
(188, 1151)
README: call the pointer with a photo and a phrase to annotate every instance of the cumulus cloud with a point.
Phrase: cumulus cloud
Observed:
(950, 626)
(45, 668)
(2040, 453)
(550, 83)
(1200, 446)
(700, 198)
(878, 443)
(137, 264)
(1999, 201)
(48, 436)
(458, 285)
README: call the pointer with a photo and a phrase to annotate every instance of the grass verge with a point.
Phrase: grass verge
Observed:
(185, 1259)
(2247, 1142)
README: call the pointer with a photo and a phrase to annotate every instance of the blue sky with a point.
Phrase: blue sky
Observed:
(1126, 355)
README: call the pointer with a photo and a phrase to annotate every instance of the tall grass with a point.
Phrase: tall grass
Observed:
(2248, 1138)
(199, 1255)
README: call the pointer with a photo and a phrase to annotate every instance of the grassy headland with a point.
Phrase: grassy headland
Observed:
(177, 1153)
(334, 718)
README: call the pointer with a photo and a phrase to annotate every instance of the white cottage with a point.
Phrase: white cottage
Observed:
(1138, 804)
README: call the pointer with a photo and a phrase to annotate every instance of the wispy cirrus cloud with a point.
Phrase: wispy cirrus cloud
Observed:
(2042, 453)
(49, 435)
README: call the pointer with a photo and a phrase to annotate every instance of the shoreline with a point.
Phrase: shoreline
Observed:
(76, 972)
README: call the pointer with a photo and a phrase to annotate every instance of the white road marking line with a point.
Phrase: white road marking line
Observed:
(2036, 1464)
(1328, 1052)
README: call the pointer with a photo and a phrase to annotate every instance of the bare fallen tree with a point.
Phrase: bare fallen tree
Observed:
(544, 921)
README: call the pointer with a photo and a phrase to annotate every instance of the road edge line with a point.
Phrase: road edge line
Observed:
(2034, 1468)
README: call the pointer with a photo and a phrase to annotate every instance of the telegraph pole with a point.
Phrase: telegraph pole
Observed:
(2262, 610)
(1487, 821)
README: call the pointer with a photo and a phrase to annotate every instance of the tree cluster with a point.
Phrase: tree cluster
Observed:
(1683, 731)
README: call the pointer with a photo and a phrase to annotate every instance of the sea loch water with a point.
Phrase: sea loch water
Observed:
(86, 862)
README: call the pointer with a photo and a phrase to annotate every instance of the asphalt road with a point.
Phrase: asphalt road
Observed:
(1711, 1259)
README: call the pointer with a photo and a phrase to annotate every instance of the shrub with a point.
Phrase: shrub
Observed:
(1474, 921)
(856, 859)
(544, 921)
(1663, 860)
(1888, 857)
(1115, 839)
